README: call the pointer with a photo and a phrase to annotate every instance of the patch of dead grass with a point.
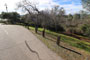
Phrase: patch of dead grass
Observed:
(64, 53)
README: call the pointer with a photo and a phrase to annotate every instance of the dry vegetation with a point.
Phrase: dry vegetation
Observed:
(50, 41)
(74, 29)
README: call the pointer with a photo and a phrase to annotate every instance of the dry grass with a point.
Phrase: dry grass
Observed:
(66, 54)
(67, 39)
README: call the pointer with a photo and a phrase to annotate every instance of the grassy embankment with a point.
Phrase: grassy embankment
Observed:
(67, 41)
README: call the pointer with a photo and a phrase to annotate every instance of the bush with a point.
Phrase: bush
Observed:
(86, 29)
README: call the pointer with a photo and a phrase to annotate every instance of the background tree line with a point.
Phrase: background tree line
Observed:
(54, 19)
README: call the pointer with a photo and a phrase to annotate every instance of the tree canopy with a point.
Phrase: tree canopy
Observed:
(86, 4)
(12, 17)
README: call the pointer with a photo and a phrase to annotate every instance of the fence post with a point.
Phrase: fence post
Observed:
(58, 40)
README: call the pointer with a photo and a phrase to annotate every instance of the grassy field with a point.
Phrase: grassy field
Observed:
(66, 41)
(70, 40)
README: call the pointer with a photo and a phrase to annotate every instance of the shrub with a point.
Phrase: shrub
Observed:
(86, 29)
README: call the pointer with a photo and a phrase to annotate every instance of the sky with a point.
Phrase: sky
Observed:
(70, 6)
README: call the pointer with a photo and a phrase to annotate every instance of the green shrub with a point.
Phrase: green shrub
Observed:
(86, 29)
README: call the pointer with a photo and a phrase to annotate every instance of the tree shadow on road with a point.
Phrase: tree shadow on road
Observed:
(70, 50)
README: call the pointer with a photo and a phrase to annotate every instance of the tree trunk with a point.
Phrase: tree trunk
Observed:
(43, 32)
(28, 27)
(55, 27)
(58, 40)
(36, 29)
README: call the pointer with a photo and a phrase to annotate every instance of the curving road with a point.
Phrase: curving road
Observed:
(18, 43)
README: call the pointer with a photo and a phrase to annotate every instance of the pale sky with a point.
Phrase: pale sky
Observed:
(71, 6)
